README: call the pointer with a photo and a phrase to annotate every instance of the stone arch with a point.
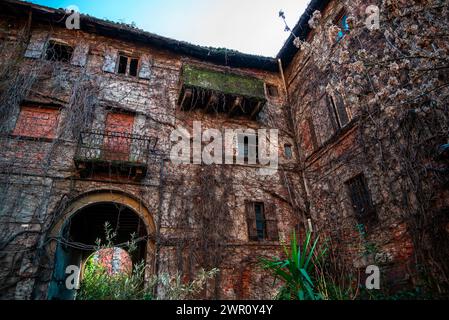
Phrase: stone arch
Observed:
(80, 206)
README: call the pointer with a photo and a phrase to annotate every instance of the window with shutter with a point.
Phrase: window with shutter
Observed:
(251, 221)
(361, 199)
(271, 222)
(340, 110)
(262, 221)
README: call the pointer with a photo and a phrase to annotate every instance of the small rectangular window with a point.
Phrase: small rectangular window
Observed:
(272, 90)
(248, 148)
(122, 65)
(133, 67)
(288, 151)
(341, 21)
(58, 52)
(128, 66)
(361, 199)
(260, 220)
(340, 110)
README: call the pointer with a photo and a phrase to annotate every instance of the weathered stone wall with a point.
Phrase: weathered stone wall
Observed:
(39, 177)
(374, 140)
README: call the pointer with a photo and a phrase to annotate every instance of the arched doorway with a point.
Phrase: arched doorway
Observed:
(77, 233)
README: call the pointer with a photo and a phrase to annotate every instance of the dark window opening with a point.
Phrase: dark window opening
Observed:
(247, 149)
(59, 52)
(361, 199)
(128, 66)
(342, 22)
(272, 90)
(340, 110)
(133, 67)
(122, 65)
(260, 221)
(288, 151)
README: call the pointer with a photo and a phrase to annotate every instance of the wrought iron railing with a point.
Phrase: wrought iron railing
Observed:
(115, 147)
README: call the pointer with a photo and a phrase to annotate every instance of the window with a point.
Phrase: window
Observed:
(288, 151)
(272, 90)
(58, 52)
(340, 111)
(128, 65)
(262, 222)
(247, 148)
(342, 22)
(361, 199)
(37, 122)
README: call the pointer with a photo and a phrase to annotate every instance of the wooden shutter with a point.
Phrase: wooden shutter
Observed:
(251, 220)
(271, 222)
(145, 67)
(332, 116)
(80, 54)
(36, 45)
(340, 110)
(110, 60)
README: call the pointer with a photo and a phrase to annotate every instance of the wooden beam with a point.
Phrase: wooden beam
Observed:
(237, 103)
(213, 100)
(256, 109)
(186, 97)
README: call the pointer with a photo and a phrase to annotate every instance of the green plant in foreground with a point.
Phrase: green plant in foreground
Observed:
(296, 271)
(99, 284)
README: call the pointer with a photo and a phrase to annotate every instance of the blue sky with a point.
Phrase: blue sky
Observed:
(250, 26)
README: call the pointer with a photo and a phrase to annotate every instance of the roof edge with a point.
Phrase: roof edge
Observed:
(218, 56)
(301, 30)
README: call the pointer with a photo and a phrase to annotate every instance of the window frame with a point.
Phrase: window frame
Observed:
(269, 87)
(129, 59)
(50, 46)
(288, 146)
(360, 195)
(246, 147)
(337, 109)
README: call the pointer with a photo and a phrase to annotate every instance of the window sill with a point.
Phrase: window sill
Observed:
(28, 138)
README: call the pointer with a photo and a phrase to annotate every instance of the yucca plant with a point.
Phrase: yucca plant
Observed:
(296, 271)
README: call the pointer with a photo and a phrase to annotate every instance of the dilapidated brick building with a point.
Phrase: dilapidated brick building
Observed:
(86, 122)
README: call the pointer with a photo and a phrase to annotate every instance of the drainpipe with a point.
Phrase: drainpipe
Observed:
(308, 222)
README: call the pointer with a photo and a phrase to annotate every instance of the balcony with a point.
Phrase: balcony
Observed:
(121, 153)
(220, 92)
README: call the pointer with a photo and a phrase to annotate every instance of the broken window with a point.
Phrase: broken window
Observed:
(272, 90)
(288, 151)
(262, 221)
(128, 66)
(361, 199)
(58, 52)
(37, 122)
(340, 111)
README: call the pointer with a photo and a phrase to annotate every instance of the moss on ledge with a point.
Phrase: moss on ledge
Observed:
(227, 83)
